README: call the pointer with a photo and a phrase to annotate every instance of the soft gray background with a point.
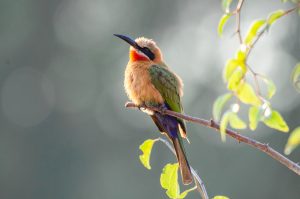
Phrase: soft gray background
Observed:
(64, 131)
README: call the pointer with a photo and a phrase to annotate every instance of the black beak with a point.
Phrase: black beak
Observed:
(131, 42)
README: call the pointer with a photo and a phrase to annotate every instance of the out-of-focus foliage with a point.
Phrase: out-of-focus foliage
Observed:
(296, 77)
(293, 141)
(222, 23)
(219, 104)
(146, 149)
(234, 74)
(253, 30)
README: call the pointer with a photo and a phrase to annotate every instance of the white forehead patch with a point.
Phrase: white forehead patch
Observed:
(144, 42)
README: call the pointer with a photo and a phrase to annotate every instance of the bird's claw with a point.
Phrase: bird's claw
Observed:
(163, 109)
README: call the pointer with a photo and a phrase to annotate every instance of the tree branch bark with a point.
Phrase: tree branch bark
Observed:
(241, 138)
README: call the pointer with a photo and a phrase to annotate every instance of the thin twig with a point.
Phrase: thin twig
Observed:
(238, 20)
(199, 183)
(240, 138)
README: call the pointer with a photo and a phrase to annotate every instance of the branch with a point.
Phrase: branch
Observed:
(241, 138)
(199, 183)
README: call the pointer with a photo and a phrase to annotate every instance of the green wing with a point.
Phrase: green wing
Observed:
(167, 84)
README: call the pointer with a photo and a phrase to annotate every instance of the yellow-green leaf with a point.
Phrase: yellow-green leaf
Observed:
(247, 95)
(169, 180)
(184, 194)
(254, 117)
(226, 5)
(296, 77)
(276, 121)
(146, 148)
(219, 104)
(293, 141)
(274, 16)
(236, 122)
(231, 66)
(270, 86)
(254, 28)
(241, 56)
(223, 125)
(220, 197)
(222, 23)
(235, 80)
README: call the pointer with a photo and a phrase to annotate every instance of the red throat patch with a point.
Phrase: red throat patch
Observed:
(134, 56)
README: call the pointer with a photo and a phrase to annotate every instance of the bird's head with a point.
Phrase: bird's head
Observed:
(142, 49)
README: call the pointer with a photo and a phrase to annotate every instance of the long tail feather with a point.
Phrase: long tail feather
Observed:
(169, 125)
(183, 163)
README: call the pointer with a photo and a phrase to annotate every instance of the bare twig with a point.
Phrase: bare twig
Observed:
(199, 183)
(240, 138)
(238, 19)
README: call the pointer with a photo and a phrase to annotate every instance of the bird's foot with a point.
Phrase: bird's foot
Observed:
(163, 109)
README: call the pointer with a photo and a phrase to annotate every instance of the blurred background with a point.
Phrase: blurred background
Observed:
(64, 131)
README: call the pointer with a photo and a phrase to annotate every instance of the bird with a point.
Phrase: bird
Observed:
(150, 82)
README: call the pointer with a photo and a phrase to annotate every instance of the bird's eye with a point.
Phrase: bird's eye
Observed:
(147, 49)
(148, 52)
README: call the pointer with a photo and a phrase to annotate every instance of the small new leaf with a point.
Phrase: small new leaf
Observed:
(247, 95)
(254, 117)
(276, 121)
(254, 28)
(222, 23)
(236, 122)
(146, 148)
(270, 86)
(220, 197)
(296, 77)
(293, 141)
(219, 104)
(169, 180)
(274, 16)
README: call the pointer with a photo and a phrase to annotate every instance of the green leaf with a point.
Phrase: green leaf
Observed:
(222, 23)
(236, 122)
(254, 117)
(276, 121)
(254, 28)
(274, 16)
(293, 141)
(219, 104)
(270, 86)
(296, 77)
(231, 66)
(169, 180)
(246, 94)
(146, 148)
(235, 80)
(226, 5)
(184, 194)
(220, 197)
(224, 124)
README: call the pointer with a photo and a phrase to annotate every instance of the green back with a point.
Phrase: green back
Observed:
(168, 86)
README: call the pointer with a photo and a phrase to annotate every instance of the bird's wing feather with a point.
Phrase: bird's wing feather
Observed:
(167, 84)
